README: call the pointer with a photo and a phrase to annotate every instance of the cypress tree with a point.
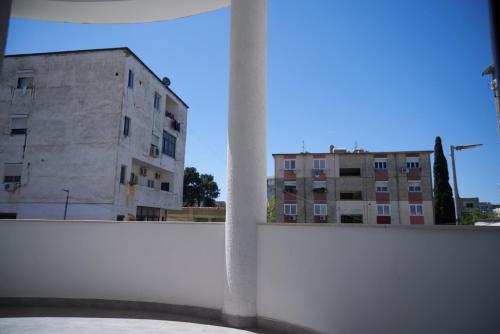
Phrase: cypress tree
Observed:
(444, 208)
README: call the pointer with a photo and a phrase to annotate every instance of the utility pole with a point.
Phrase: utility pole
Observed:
(66, 205)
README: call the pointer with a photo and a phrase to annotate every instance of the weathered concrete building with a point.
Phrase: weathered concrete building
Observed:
(354, 187)
(98, 123)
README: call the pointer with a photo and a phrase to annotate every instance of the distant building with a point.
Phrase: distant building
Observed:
(469, 204)
(354, 187)
(98, 123)
(197, 214)
(270, 188)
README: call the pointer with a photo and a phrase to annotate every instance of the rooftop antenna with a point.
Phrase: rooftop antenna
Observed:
(303, 147)
(355, 145)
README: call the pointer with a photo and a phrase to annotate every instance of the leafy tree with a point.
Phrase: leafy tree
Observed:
(444, 208)
(192, 184)
(209, 190)
(271, 210)
(476, 215)
(199, 189)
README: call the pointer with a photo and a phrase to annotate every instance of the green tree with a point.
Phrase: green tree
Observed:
(199, 189)
(271, 210)
(209, 190)
(476, 215)
(444, 208)
(192, 185)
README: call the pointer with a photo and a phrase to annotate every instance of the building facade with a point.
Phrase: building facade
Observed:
(97, 125)
(354, 187)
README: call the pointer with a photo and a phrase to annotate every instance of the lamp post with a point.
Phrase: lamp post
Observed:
(458, 208)
(66, 205)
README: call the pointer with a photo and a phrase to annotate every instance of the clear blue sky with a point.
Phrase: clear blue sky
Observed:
(388, 75)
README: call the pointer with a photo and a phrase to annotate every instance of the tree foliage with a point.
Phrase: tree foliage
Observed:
(444, 208)
(199, 189)
(476, 215)
(271, 210)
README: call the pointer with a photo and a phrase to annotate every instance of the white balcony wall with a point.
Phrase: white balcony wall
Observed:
(329, 278)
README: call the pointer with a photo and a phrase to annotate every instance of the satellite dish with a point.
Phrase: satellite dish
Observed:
(166, 81)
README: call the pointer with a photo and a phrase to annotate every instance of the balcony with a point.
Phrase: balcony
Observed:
(151, 197)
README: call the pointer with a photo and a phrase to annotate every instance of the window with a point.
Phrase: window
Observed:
(469, 205)
(414, 186)
(289, 164)
(151, 183)
(25, 83)
(18, 124)
(416, 210)
(352, 195)
(381, 186)
(168, 144)
(320, 209)
(380, 163)
(147, 213)
(165, 186)
(350, 172)
(291, 209)
(351, 219)
(319, 164)
(319, 184)
(290, 186)
(412, 162)
(126, 126)
(12, 172)
(383, 210)
(156, 102)
(123, 173)
(130, 79)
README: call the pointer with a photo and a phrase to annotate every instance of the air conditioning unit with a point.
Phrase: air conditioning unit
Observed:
(134, 179)
(143, 171)
(323, 218)
(11, 186)
(317, 172)
(157, 175)
(176, 125)
(404, 170)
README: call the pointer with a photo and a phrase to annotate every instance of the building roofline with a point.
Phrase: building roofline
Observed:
(123, 48)
(354, 153)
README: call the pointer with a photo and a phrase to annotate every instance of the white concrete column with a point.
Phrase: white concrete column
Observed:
(5, 7)
(246, 192)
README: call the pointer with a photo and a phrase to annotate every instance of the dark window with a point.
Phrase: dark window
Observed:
(130, 79)
(25, 83)
(120, 218)
(351, 219)
(147, 213)
(123, 172)
(165, 186)
(12, 178)
(18, 125)
(352, 195)
(168, 144)
(126, 126)
(156, 102)
(469, 205)
(350, 172)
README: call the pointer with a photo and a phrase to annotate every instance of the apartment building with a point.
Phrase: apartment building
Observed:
(354, 187)
(96, 125)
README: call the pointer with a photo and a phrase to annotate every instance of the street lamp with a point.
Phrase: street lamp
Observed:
(66, 205)
(458, 207)
(494, 87)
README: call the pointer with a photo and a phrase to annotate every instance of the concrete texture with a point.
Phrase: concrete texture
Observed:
(74, 116)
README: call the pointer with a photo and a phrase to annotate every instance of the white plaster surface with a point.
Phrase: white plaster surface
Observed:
(372, 279)
(246, 194)
(107, 326)
(168, 263)
(330, 278)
